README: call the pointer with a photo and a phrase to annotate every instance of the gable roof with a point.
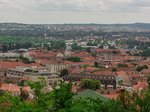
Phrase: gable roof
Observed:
(121, 73)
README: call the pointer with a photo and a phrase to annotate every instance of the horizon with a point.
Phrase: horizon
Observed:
(74, 23)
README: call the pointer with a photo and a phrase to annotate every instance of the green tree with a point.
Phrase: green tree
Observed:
(63, 98)
(145, 53)
(148, 81)
(73, 59)
(90, 84)
(96, 64)
(140, 68)
(88, 50)
(57, 44)
(122, 65)
(64, 72)
(76, 47)
(114, 69)
(25, 60)
(11, 103)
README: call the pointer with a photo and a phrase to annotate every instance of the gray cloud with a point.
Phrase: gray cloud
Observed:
(83, 9)
(76, 5)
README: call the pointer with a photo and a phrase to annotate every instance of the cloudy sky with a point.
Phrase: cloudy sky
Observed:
(75, 11)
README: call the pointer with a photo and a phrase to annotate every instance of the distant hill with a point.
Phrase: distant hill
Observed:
(128, 27)
(59, 29)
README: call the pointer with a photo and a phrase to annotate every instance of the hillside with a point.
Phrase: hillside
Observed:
(19, 29)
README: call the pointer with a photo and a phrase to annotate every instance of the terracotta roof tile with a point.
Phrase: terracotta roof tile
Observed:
(112, 96)
(12, 88)
(12, 64)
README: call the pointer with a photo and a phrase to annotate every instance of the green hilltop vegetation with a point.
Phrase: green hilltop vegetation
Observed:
(62, 100)
(17, 42)
(62, 31)
(20, 39)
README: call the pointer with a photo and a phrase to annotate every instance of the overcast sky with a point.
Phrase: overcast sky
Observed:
(75, 11)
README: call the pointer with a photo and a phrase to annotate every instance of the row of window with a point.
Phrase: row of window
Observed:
(99, 77)
(16, 74)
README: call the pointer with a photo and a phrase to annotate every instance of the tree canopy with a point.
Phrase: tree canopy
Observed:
(62, 100)
(64, 72)
(90, 84)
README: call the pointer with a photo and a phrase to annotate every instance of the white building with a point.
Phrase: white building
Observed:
(9, 55)
(56, 67)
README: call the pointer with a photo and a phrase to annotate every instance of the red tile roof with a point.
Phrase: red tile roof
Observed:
(76, 70)
(88, 58)
(12, 88)
(100, 50)
(13, 64)
(79, 63)
(80, 54)
(104, 73)
(91, 69)
(42, 54)
(141, 86)
(112, 96)
(121, 73)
